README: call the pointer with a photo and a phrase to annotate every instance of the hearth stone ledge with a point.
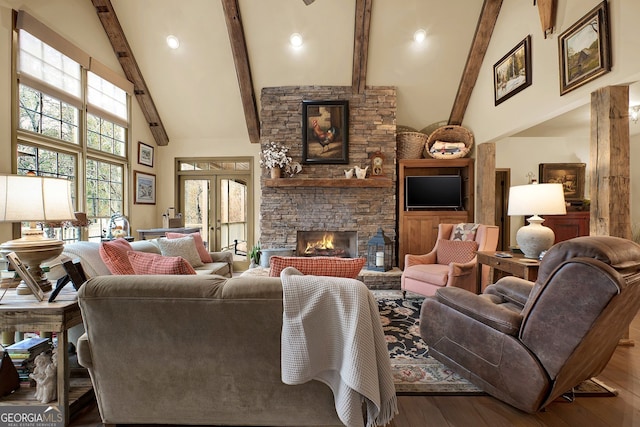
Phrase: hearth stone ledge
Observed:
(374, 280)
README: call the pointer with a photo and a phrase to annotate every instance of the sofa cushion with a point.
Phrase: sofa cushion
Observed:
(464, 231)
(205, 257)
(114, 255)
(146, 263)
(318, 266)
(182, 246)
(460, 251)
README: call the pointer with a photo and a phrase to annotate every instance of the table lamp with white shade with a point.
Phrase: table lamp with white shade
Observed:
(536, 199)
(35, 199)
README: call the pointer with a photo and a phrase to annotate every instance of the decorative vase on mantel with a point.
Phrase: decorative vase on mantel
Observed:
(275, 172)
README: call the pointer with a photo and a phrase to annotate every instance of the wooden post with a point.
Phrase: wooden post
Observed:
(610, 168)
(486, 184)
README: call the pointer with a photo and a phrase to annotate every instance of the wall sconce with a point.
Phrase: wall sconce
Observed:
(633, 113)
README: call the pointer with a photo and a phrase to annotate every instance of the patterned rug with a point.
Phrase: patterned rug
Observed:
(414, 371)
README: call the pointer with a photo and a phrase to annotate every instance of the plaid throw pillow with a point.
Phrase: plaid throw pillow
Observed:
(464, 231)
(114, 255)
(148, 263)
(449, 251)
(318, 266)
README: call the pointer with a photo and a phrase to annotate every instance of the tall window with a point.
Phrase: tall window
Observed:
(73, 121)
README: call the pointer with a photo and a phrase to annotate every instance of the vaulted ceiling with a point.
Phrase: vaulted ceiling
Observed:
(195, 88)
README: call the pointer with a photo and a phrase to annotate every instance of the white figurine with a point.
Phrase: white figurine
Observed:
(348, 173)
(45, 376)
(361, 173)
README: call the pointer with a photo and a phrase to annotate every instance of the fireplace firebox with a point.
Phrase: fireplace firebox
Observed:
(342, 244)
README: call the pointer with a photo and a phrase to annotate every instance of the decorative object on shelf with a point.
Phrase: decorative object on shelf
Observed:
(325, 132)
(348, 173)
(377, 165)
(585, 49)
(360, 172)
(145, 188)
(512, 73)
(35, 199)
(274, 157)
(449, 142)
(118, 227)
(293, 169)
(570, 175)
(410, 144)
(145, 154)
(536, 199)
(9, 378)
(380, 252)
(45, 376)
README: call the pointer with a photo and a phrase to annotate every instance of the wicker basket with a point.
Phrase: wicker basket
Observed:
(410, 144)
(452, 134)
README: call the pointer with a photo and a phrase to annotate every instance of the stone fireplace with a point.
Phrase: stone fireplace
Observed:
(343, 244)
(320, 198)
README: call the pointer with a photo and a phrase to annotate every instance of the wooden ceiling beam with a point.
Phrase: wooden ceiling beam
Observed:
(479, 45)
(113, 29)
(243, 69)
(361, 45)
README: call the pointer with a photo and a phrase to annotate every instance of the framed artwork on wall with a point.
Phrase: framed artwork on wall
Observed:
(325, 132)
(512, 73)
(145, 154)
(585, 49)
(570, 175)
(145, 188)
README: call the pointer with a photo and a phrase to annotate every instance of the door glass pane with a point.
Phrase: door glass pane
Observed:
(233, 217)
(196, 205)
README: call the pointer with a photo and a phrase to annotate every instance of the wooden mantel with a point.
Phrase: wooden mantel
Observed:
(330, 182)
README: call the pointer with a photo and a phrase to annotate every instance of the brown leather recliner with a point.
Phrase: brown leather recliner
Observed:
(528, 343)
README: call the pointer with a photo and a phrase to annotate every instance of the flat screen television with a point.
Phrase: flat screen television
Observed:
(433, 192)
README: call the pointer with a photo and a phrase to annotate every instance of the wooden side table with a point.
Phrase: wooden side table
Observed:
(24, 313)
(517, 265)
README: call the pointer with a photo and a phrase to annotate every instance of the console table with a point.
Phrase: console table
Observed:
(159, 232)
(23, 313)
(517, 265)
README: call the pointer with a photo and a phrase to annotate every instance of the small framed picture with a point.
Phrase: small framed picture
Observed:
(145, 154)
(570, 175)
(22, 271)
(513, 72)
(585, 49)
(145, 188)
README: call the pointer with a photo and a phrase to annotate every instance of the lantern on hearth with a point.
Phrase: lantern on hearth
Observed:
(380, 252)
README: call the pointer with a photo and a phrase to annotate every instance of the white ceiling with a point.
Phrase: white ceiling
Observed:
(195, 87)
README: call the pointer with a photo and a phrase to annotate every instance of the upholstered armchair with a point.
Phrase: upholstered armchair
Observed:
(452, 262)
(528, 343)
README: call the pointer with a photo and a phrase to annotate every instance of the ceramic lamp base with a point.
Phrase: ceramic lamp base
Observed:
(534, 238)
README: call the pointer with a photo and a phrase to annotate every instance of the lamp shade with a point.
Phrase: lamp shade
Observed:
(35, 198)
(536, 199)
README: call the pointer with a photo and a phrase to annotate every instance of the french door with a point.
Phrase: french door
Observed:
(219, 202)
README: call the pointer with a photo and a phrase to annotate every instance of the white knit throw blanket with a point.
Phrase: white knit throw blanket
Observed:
(331, 332)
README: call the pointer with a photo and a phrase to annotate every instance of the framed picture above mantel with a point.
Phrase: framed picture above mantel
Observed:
(325, 132)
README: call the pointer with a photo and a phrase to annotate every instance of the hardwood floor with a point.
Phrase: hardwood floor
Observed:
(622, 373)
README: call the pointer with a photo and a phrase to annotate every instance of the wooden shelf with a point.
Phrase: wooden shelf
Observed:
(330, 182)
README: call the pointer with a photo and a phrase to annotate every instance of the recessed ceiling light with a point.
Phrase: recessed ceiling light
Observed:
(419, 36)
(296, 40)
(173, 42)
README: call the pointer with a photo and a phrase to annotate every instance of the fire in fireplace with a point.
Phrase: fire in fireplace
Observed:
(327, 243)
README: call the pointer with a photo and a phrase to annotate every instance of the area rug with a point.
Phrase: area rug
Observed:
(414, 371)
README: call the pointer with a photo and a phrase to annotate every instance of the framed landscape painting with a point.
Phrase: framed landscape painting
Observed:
(145, 154)
(513, 72)
(145, 188)
(570, 175)
(325, 132)
(585, 49)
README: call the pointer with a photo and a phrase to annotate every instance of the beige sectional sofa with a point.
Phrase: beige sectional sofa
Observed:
(89, 256)
(193, 350)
